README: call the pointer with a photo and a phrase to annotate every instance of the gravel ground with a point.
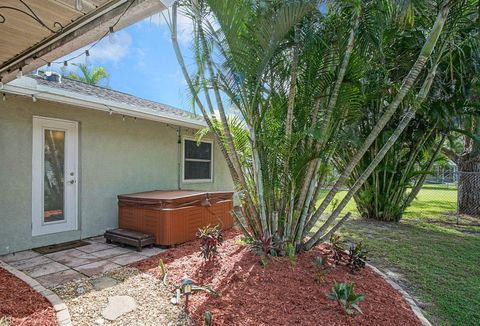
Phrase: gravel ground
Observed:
(152, 297)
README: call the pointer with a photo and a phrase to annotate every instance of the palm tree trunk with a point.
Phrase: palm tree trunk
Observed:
(223, 118)
(378, 158)
(408, 82)
(233, 171)
(290, 107)
(291, 99)
(468, 185)
(304, 198)
(307, 187)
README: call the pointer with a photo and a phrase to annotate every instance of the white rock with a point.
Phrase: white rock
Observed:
(118, 306)
(99, 321)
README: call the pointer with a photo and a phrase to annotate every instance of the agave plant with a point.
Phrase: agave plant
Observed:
(346, 297)
(207, 318)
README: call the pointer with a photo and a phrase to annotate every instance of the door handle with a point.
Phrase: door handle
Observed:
(72, 181)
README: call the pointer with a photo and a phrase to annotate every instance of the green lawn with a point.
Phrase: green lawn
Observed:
(435, 259)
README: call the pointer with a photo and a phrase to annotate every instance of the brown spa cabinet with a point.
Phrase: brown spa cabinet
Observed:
(174, 216)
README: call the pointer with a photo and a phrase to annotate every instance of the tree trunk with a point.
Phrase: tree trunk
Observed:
(469, 185)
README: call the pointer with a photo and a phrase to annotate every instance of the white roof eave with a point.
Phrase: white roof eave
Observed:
(29, 86)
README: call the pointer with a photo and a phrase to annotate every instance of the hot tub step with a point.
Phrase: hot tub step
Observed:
(130, 237)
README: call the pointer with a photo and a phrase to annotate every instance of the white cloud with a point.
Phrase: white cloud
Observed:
(108, 51)
(184, 25)
(140, 58)
(104, 51)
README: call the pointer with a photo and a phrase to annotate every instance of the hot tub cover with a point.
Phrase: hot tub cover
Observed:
(174, 198)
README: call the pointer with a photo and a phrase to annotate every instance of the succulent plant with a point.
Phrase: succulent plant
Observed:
(208, 318)
(346, 297)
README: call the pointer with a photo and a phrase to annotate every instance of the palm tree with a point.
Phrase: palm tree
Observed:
(92, 77)
(293, 72)
(385, 194)
(463, 93)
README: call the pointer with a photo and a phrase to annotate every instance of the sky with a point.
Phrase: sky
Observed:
(141, 61)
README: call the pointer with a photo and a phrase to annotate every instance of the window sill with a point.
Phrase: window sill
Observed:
(198, 181)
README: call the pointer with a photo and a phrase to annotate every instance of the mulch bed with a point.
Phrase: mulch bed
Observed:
(281, 293)
(22, 305)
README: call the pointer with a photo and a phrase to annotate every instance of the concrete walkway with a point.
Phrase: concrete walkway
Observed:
(60, 267)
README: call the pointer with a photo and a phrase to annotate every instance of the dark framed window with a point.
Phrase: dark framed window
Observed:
(197, 161)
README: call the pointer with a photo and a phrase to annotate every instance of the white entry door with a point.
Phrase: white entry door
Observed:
(54, 176)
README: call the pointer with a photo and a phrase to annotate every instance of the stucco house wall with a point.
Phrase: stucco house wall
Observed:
(115, 157)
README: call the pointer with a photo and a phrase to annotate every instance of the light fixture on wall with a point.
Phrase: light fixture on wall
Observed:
(110, 111)
(123, 117)
(1, 83)
(4, 97)
(34, 98)
(20, 73)
(79, 5)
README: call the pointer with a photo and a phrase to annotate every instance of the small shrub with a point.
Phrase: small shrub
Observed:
(346, 297)
(243, 241)
(290, 252)
(357, 257)
(210, 237)
(263, 248)
(321, 270)
(337, 247)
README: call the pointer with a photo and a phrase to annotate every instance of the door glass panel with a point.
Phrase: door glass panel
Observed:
(54, 176)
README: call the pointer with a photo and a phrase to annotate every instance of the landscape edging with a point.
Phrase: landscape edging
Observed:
(60, 308)
(408, 298)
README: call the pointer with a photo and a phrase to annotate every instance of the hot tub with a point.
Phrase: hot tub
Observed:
(174, 216)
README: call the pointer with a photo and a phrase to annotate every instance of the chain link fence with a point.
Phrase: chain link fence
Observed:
(457, 192)
(445, 192)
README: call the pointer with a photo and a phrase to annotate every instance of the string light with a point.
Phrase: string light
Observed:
(34, 98)
(87, 58)
(111, 35)
(79, 5)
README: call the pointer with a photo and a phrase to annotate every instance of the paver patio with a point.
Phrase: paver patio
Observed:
(60, 267)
